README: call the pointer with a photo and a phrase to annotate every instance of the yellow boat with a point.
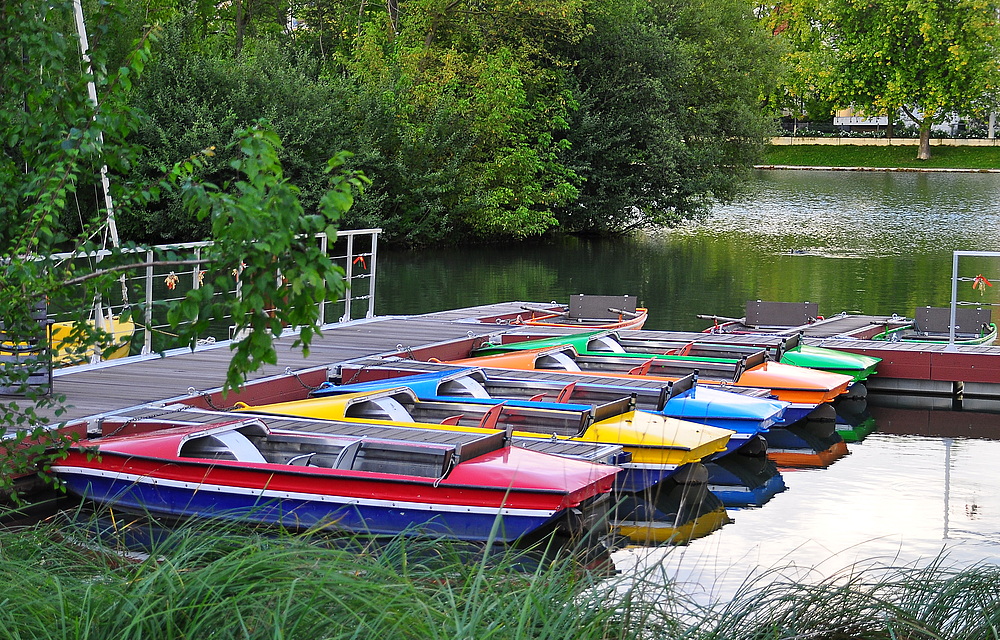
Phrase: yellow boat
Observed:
(66, 349)
(658, 445)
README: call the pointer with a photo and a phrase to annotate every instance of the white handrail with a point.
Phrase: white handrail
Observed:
(146, 276)
(954, 289)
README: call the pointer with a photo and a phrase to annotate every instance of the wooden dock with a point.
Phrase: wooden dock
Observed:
(112, 387)
(109, 387)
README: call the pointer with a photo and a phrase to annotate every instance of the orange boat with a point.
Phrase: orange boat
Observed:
(787, 382)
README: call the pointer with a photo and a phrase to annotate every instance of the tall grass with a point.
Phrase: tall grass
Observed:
(60, 580)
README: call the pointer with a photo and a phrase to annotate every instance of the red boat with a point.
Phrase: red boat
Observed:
(475, 487)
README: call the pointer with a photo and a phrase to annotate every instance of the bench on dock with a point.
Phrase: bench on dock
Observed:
(932, 320)
(585, 307)
(780, 314)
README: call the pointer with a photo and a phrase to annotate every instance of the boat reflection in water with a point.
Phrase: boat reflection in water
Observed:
(677, 511)
(854, 421)
(136, 536)
(807, 444)
(748, 479)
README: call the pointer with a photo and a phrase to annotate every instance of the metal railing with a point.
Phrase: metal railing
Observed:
(955, 279)
(147, 288)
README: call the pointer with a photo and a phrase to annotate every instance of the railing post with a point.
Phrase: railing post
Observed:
(324, 246)
(371, 275)
(147, 341)
(348, 274)
(195, 280)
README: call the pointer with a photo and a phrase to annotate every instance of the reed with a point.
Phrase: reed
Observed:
(79, 580)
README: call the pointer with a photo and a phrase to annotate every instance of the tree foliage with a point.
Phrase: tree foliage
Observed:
(932, 59)
(670, 115)
(57, 140)
(472, 118)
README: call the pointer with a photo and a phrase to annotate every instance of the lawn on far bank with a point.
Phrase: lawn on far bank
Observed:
(942, 157)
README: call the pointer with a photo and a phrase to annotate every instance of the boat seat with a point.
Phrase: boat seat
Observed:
(453, 420)
(301, 460)
(566, 392)
(680, 351)
(538, 397)
(491, 417)
(240, 446)
(642, 369)
(345, 459)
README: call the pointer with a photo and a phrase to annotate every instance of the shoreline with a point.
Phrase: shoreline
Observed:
(793, 167)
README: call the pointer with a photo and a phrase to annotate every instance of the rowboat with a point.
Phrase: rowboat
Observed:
(583, 310)
(933, 325)
(746, 415)
(786, 382)
(787, 350)
(477, 488)
(66, 348)
(658, 445)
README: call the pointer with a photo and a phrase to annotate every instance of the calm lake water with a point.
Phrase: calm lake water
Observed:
(923, 484)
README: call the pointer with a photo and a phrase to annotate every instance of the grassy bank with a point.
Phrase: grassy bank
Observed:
(200, 582)
(883, 157)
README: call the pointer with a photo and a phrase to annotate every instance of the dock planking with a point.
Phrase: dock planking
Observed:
(115, 385)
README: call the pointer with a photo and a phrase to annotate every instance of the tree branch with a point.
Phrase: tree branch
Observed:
(137, 265)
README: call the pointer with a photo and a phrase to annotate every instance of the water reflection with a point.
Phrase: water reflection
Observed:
(868, 242)
(894, 500)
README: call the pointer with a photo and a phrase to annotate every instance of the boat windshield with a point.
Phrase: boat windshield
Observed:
(559, 360)
(464, 387)
(605, 343)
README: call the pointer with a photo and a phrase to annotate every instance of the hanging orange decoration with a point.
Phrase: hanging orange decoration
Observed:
(171, 281)
(980, 282)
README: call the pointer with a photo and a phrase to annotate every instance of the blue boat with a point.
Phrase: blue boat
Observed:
(747, 415)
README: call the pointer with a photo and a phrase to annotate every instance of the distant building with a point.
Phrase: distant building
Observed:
(848, 120)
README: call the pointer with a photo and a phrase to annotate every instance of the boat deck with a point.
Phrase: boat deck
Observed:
(111, 387)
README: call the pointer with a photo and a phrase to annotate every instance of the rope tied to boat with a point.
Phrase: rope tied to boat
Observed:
(289, 372)
(207, 397)
(408, 349)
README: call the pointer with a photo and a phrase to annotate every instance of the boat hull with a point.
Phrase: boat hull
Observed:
(163, 496)
(474, 489)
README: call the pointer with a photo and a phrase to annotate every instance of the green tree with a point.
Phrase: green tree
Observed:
(488, 70)
(671, 112)
(930, 59)
(55, 142)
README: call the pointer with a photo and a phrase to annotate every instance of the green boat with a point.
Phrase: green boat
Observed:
(933, 325)
(646, 344)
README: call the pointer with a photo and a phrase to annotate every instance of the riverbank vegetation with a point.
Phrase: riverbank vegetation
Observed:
(945, 157)
(920, 63)
(79, 580)
(475, 122)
